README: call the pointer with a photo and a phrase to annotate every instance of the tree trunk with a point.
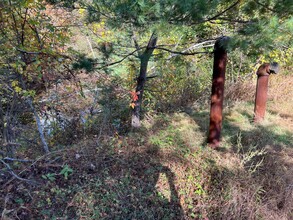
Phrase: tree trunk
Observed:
(39, 125)
(38, 121)
(144, 59)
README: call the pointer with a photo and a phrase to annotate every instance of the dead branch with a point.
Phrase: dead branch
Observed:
(18, 160)
(11, 172)
(181, 53)
(159, 47)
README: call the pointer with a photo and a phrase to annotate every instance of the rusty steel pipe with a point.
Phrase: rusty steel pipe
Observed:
(261, 94)
(217, 97)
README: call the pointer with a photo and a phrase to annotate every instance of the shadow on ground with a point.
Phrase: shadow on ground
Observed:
(125, 183)
(260, 135)
(262, 183)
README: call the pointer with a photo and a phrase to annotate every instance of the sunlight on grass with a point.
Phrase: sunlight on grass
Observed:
(180, 131)
(163, 187)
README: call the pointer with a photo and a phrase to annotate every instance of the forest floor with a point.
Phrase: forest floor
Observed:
(166, 171)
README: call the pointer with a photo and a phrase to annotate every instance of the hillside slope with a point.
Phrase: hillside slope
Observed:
(166, 171)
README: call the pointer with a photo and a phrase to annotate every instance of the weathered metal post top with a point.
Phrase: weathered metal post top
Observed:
(217, 97)
(268, 68)
(261, 95)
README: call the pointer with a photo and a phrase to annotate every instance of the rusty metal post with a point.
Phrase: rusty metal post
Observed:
(261, 95)
(217, 97)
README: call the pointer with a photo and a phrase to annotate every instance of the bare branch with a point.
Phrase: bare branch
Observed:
(29, 52)
(40, 128)
(151, 77)
(119, 61)
(23, 25)
(16, 176)
(34, 28)
(18, 160)
(159, 47)
(90, 45)
(180, 53)
(135, 42)
(268, 8)
(11, 144)
(17, 35)
(210, 43)
(234, 20)
(219, 14)
(54, 55)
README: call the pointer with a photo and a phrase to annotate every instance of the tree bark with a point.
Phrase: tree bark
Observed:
(144, 59)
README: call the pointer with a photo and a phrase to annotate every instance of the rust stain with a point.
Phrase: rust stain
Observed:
(217, 97)
(261, 95)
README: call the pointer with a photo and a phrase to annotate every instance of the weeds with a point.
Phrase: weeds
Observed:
(164, 171)
(251, 158)
(66, 171)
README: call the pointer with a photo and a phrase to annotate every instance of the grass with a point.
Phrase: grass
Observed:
(166, 171)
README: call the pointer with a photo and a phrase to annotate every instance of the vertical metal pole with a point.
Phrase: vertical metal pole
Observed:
(218, 83)
(261, 95)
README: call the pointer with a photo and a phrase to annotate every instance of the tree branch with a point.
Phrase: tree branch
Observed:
(234, 20)
(219, 14)
(136, 44)
(34, 28)
(29, 52)
(119, 61)
(268, 8)
(16, 176)
(196, 46)
(23, 25)
(179, 52)
(15, 25)
(18, 160)
(159, 47)
(54, 55)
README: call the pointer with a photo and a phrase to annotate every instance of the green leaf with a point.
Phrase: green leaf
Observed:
(66, 171)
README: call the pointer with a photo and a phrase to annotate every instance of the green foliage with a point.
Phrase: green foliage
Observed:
(136, 171)
(66, 171)
(49, 176)
(144, 12)
(64, 3)
(31, 46)
(84, 63)
(264, 36)
(251, 157)
(260, 30)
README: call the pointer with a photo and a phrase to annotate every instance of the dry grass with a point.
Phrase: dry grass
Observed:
(281, 100)
(242, 90)
(165, 171)
(266, 193)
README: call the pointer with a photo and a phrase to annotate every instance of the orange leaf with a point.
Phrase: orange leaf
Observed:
(134, 95)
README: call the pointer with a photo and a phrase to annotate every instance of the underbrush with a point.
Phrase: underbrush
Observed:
(164, 171)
